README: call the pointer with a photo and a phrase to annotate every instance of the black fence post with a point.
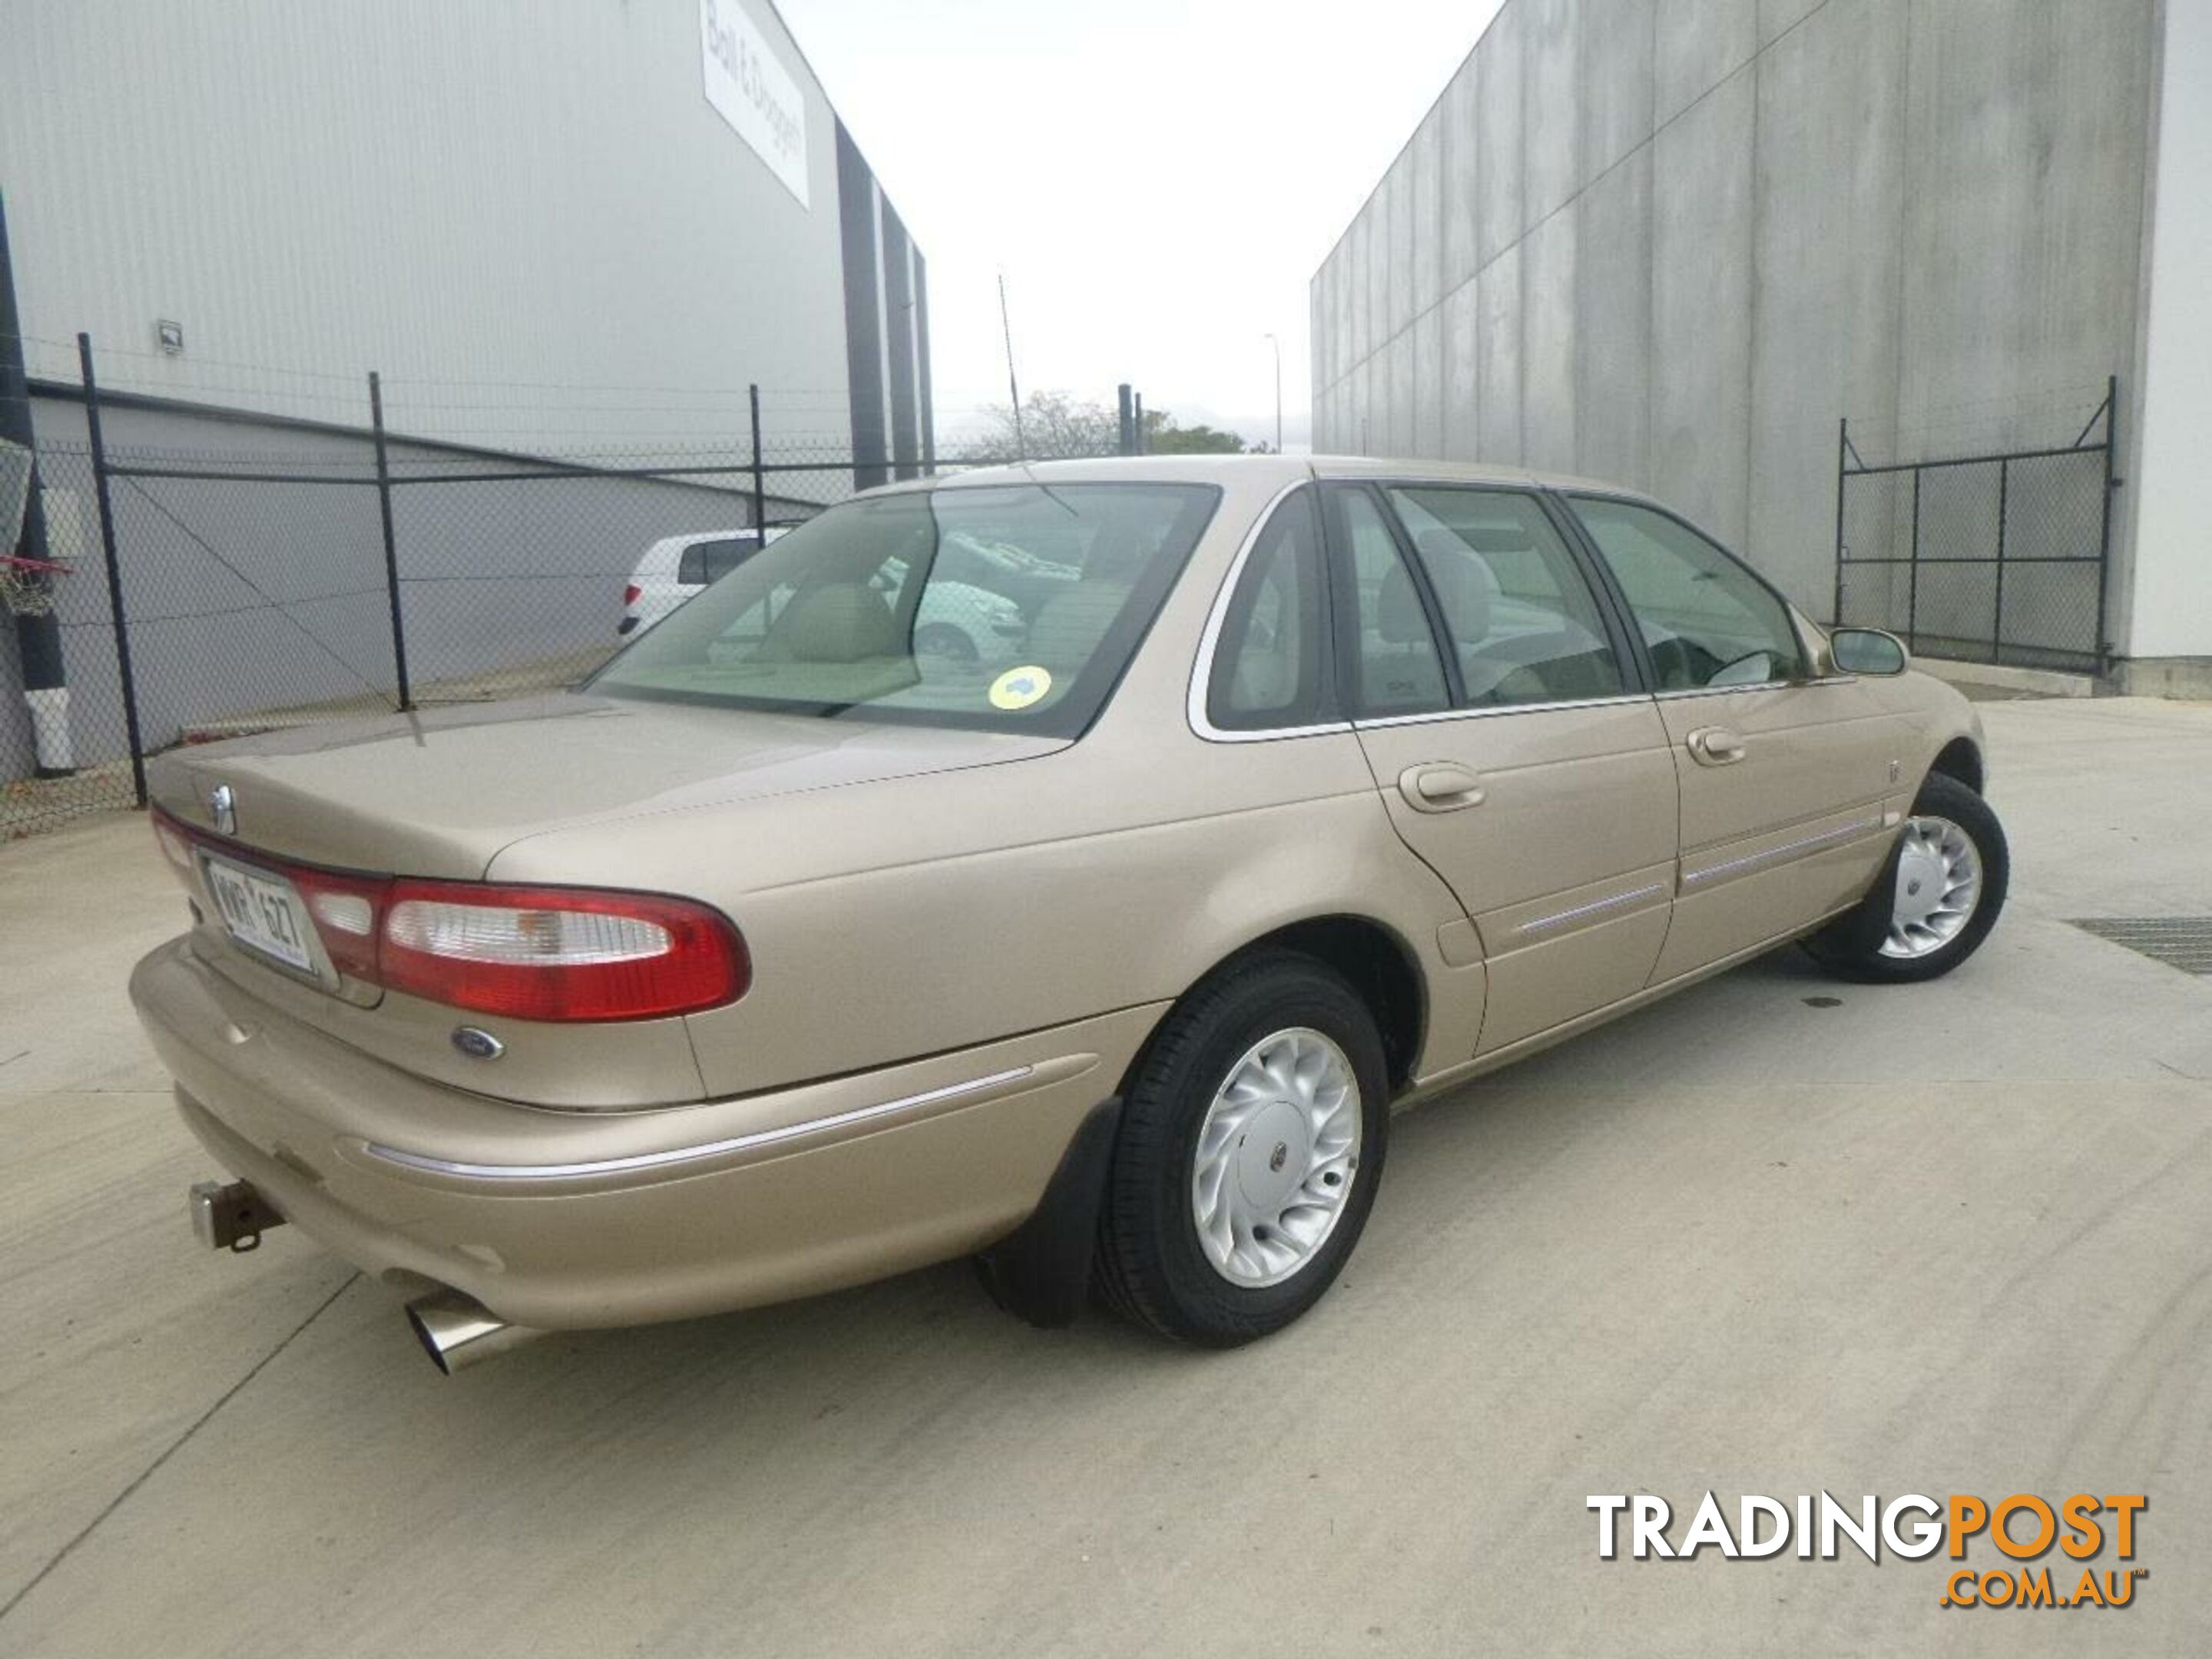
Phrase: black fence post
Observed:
(2104, 647)
(106, 507)
(1996, 608)
(391, 541)
(1842, 465)
(1913, 573)
(760, 482)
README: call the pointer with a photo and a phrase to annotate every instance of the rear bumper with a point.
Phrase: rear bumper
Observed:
(564, 1220)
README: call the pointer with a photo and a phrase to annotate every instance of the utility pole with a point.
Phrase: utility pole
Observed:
(1278, 345)
(38, 636)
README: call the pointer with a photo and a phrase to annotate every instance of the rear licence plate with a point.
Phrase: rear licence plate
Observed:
(263, 913)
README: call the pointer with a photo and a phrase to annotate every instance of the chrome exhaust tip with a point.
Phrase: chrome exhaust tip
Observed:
(457, 1330)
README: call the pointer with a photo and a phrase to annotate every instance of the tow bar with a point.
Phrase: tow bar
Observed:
(231, 1217)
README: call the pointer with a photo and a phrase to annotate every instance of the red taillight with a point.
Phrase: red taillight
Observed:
(631, 594)
(542, 953)
(346, 910)
(559, 953)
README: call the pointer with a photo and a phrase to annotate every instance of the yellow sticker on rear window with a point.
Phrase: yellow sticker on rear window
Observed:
(1018, 687)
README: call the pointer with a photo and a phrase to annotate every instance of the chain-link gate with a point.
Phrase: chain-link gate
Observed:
(1983, 558)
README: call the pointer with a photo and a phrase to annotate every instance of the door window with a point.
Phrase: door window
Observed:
(1705, 619)
(1267, 664)
(1388, 642)
(1523, 620)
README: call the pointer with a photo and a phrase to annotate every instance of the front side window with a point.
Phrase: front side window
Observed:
(1267, 662)
(1706, 620)
(1388, 646)
(1520, 617)
(1005, 607)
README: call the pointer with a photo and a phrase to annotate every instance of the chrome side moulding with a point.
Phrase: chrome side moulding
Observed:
(1690, 878)
(1540, 923)
(688, 1154)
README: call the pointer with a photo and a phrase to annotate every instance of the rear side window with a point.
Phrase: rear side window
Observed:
(1267, 662)
(1705, 620)
(1388, 644)
(709, 561)
(1522, 619)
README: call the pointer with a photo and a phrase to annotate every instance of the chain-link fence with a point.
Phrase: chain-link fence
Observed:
(1997, 558)
(306, 575)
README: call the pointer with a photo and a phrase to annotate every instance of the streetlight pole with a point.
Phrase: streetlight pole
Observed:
(1278, 345)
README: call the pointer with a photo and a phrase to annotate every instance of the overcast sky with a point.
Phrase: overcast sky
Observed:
(1157, 180)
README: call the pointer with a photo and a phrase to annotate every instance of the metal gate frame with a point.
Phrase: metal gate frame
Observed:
(1850, 465)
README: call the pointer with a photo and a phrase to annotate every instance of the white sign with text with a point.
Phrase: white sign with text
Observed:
(750, 88)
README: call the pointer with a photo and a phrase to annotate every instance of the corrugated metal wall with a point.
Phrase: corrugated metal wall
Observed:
(533, 195)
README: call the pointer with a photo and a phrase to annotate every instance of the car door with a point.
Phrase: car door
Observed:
(1514, 748)
(1786, 779)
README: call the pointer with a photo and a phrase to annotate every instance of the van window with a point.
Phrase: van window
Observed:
(709, 561)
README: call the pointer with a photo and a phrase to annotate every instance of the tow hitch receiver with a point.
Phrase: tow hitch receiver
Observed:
(233, 1216)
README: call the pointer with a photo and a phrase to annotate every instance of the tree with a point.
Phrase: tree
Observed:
(1164, 437)
(1054, 427)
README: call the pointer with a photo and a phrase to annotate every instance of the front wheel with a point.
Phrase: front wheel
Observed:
(945, 643)
(1251, 1142)
(1937, 899)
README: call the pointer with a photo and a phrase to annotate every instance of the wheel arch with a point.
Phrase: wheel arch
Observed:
(1375, 960)
(1960, 758)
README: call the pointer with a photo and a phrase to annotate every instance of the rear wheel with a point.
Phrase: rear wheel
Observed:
(1937, 899)
(1251, 1142)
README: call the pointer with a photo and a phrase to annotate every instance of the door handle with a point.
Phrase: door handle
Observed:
(1715, 745)
(1439, 787)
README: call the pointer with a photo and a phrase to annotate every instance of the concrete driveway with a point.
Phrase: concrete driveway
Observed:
(1776, 1235)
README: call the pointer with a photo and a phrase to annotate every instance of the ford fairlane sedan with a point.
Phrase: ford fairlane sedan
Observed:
(785, 954)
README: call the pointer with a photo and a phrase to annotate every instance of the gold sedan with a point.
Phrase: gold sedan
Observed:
(784, 955)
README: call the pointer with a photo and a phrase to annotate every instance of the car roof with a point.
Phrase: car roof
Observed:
(1286, 469)
(692, 538)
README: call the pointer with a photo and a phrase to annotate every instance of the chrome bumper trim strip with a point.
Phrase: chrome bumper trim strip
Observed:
(688, 1154)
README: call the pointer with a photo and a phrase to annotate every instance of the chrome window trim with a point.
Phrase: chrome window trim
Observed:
(1542, 922)
(1201, 675)
(689, 1154)
(1681, 691)
(1617, 701)
(1770, 854)
(1757, 685)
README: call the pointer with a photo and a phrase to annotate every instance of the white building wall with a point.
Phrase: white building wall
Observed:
(2171, 601)
(512, 193)
(1676, 239)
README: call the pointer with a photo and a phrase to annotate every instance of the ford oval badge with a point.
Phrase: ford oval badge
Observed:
(478, 1044)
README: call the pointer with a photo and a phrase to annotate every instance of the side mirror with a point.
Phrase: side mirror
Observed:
(1867, 651)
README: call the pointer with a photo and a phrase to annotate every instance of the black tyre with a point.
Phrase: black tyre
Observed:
(945, 642)
(1251, 1144)
(1936, 898)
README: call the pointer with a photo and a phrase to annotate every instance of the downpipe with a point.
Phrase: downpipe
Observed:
(458, 1331)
